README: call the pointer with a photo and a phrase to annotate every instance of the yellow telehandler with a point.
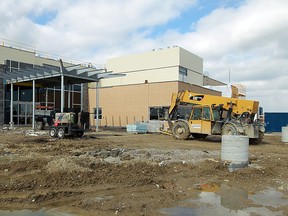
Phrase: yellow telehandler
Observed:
(201, 115)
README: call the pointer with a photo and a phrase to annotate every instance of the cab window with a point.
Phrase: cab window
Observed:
(197, 113)
(206, 113)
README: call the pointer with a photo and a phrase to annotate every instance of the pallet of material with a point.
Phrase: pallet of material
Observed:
(136, 128)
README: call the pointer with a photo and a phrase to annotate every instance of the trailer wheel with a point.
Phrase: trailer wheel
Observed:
(60, 133)
(79, 134)
(180, 130)
(52, 132)
(39, 125)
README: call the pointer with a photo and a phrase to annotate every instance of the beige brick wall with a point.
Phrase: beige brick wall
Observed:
(122, 105)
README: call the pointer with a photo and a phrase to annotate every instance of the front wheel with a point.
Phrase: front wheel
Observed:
(180, 130)
(229, 129)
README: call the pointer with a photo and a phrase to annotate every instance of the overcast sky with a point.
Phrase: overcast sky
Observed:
(247, 38)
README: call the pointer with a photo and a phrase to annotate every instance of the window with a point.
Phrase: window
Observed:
(8, 65)
(14, 64)
(216, 114)
(17, 65)
(181, 112)
(99, 113)
(197, 113)
(158, 113)
(182, 71)
(182, 74)
(76, 87)
(206, 113)
(25, 65)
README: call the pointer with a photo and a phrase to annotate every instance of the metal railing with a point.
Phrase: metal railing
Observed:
(29, 48)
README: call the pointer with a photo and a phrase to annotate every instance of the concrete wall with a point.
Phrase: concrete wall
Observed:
(148, 60)
(138, 77)
(24, 56)
(194, 65)
(155, 66)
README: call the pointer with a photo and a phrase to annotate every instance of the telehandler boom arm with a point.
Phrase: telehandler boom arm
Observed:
(238, 106)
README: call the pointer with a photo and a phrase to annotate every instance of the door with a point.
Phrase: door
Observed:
(200, 121)
(25, 113)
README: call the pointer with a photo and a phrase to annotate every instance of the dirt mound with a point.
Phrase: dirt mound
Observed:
(64, 164)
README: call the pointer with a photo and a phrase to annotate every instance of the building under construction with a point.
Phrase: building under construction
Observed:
(142, 93)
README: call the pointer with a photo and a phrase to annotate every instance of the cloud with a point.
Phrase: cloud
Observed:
(247, 38)
(72, 25)
(248, 41)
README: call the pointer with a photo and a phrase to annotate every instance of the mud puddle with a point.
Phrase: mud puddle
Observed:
(222, 200)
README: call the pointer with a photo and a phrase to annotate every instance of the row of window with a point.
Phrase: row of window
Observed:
(156, 113)
(10, 64)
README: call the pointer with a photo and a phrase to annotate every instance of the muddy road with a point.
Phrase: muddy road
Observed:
(116, 173)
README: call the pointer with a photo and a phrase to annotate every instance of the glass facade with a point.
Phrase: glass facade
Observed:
(48, 97)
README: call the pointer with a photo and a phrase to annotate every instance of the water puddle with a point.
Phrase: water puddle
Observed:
(26, 212)
(226, 200)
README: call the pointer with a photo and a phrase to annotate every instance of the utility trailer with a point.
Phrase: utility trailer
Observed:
(66, 125)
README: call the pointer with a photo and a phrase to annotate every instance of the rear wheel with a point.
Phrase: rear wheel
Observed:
(61, 133)
(180, 130)
(258, 140)
(229, 129)
(52, 132)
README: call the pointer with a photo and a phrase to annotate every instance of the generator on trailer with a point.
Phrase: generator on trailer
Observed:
(65, 124)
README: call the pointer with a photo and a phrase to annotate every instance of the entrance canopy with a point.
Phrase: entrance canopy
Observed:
(48, 76)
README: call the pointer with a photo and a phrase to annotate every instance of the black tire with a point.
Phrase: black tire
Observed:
(258, 140)
(199, 136)
(180, 130)
(229, 129)
(52, 132)
(39, 125)
(79, 133)
(60, 133)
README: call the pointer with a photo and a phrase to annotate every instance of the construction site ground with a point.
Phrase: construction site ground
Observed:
(119, 173)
